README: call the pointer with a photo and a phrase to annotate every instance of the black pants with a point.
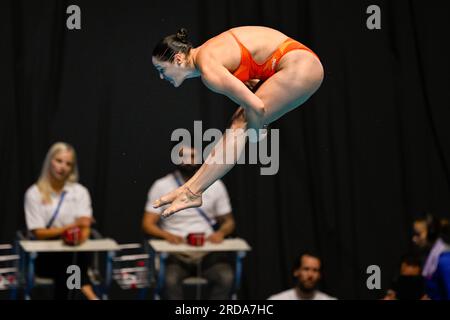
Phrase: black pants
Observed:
(54, 265)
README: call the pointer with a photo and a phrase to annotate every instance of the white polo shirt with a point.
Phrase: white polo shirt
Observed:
(76, 203)
(216, 202)
(291, 294)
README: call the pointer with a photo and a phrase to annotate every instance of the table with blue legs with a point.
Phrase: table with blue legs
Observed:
(31, 249)
(162, 248)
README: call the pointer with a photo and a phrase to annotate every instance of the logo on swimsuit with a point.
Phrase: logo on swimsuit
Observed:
(274, 62)
(230, 147)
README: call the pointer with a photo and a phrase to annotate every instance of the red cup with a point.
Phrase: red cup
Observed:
(196, 239)
(72, 236)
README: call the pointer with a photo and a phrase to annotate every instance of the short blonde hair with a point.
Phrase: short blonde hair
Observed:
(43, 182)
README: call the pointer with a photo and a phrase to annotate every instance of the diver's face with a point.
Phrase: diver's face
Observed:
(174, 72)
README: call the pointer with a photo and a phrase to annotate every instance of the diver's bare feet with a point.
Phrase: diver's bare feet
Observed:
(179, 199)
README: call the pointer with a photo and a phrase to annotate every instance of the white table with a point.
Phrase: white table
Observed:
(33, 247)
(163, 248)
(236, 244)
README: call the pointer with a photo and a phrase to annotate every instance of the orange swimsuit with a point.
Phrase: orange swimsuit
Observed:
(249, 69)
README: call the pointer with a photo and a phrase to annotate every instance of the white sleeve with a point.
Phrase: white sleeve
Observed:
(84, 204)
(155, 193)
(34, 215)
(222, 203)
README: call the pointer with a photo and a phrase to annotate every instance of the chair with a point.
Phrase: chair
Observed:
(9, 270)
(131, 268)
(38, 281)
(198, 283)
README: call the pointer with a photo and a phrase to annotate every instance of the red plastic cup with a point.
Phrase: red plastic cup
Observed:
(72, 236)
(196, 239)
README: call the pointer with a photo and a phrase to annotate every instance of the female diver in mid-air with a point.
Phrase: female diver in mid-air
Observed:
(282, 72)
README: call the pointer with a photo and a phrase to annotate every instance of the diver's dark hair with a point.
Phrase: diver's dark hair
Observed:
(166, 48)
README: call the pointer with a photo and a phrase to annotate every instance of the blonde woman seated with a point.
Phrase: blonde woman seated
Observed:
(53, 205)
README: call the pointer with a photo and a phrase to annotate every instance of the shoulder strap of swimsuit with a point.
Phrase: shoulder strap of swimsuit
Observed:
(239, 42)
(235, 38)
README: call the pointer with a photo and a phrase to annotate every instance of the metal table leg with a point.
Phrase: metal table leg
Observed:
(108, 275)
(161, 274)
(30, 275)
(237, 280)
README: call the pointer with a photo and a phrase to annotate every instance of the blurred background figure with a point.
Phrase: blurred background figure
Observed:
(55, 204)
(426, 228)
(214, 218)
(409, 285)
(425, 270)
(437, 266)
(307, 273)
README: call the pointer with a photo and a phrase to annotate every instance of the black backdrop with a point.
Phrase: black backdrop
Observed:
(357, 160)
